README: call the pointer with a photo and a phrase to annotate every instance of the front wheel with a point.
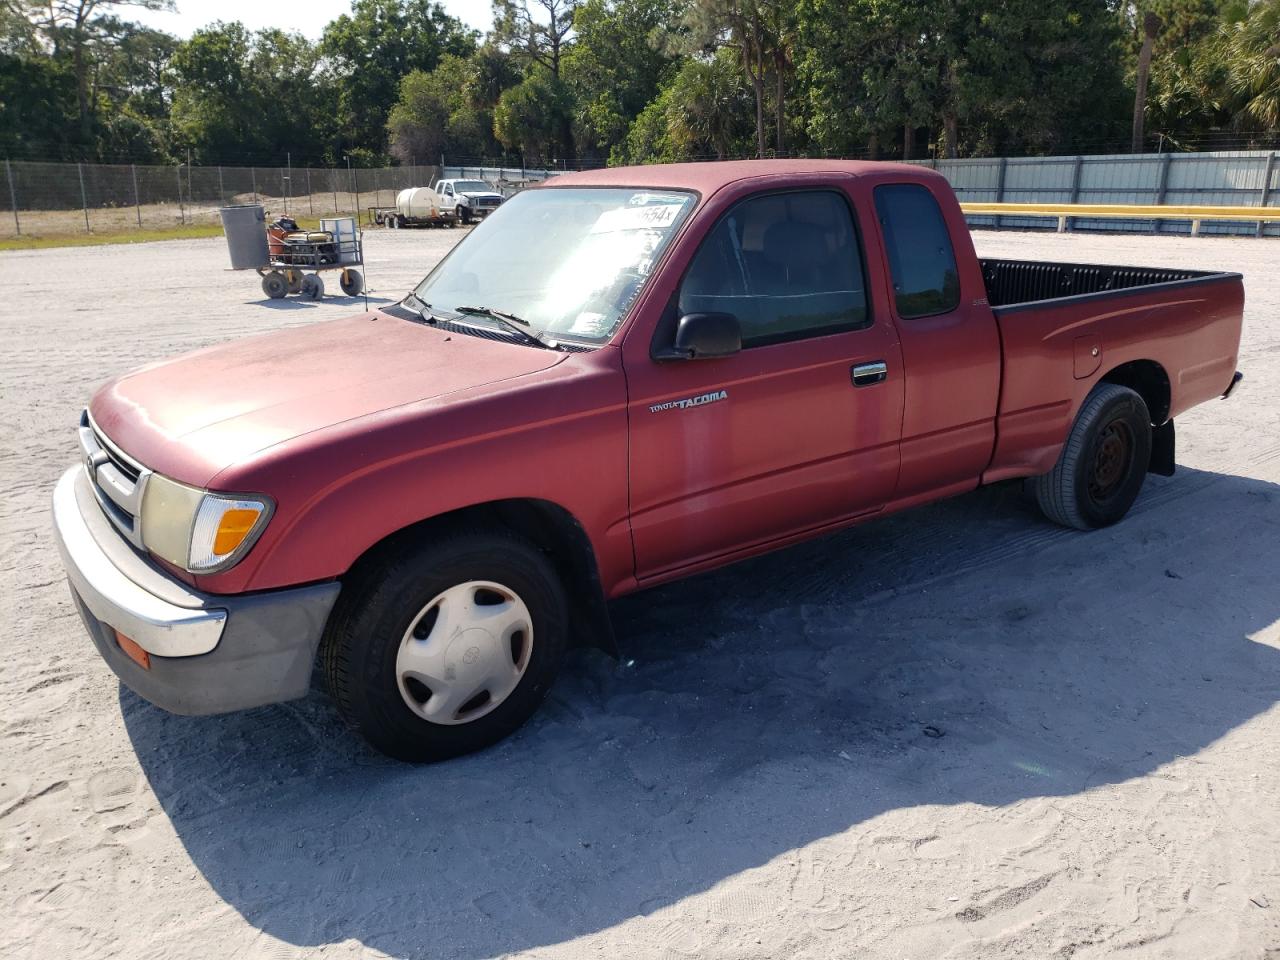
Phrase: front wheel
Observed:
(462, 213)
(447, 647)
(274, 284)
(1102, 465)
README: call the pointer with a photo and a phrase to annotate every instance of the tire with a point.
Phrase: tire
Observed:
(351, 282)
(294, 279)
(463, 214)
(312, 287)
(395, 603)
(274, 284)
(1103, 463)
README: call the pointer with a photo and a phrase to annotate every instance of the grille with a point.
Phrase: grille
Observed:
(118, 481)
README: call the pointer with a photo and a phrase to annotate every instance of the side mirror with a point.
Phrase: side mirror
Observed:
(704, 336)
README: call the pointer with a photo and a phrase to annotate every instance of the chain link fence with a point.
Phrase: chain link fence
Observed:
(56, 199)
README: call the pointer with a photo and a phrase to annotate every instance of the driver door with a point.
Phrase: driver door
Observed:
(800, 429)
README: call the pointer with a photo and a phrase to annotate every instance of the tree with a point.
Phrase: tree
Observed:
(870, 67)
(1250, 49)
(704, 111)
(617, 65)
(542, 32)
(79, 26)
(18, 33)
(374, 47)
(240, 95)
(1150, 30)
(37, 107)
(1177, 86)
(1023, 75)
(533, 117)
(742, 26)
(444, 111)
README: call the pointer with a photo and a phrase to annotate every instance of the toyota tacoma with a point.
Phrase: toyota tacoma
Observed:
(621, 378)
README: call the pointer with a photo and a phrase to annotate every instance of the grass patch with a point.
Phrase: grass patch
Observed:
(115, 236)
(144, 235)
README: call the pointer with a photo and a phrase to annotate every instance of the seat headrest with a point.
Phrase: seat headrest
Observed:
(790, 242)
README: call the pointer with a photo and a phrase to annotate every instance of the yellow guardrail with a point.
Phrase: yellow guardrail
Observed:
(1064, 211)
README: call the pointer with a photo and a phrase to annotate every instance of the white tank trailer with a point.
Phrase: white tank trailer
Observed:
(415, 207)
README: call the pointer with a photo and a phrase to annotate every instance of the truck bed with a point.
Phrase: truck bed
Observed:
(1011, 283)
(1062, 325)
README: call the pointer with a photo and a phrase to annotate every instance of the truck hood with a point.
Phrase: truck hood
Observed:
(482, 195)
(192, 417)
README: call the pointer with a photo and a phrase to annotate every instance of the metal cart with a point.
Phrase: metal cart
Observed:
(294, 264)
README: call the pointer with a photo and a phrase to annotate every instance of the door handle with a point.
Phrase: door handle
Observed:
(866, 374)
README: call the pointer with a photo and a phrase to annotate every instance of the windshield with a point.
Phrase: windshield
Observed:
(566, 261)
(472, 186)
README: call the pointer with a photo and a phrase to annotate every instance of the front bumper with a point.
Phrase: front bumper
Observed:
(208, 654)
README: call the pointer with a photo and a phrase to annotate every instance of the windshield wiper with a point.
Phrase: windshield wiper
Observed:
(495, 314)
(513, 323)
(423, 309)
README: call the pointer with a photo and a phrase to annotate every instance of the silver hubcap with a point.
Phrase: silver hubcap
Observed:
(464, 652)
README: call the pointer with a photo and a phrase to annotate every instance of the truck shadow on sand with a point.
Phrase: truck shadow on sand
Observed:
(767, 706)
(296, 303)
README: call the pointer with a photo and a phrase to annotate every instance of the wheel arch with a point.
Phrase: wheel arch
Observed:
(1150, 381)
(550, 527)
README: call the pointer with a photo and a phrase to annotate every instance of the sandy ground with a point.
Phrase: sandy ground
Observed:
(757, 782)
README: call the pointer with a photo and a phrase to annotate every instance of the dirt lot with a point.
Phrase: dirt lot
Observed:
(756, 782)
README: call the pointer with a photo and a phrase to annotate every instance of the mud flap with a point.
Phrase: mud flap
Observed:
(1162, 450)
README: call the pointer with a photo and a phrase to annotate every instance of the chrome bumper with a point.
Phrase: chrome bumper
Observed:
(157, 625)
(207, 653)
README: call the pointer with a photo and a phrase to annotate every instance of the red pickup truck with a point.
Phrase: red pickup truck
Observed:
(622, 377)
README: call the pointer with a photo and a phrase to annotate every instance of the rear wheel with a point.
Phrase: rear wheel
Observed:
(447, 647)
(312, 287)
(1102, 465)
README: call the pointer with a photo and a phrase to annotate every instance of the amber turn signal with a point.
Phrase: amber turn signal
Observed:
(133, 651)
(234, 526)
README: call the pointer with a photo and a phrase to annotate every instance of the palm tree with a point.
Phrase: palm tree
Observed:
(1150, 27)
(1251, 51)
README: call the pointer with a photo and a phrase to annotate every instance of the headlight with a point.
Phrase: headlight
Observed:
(199, 531)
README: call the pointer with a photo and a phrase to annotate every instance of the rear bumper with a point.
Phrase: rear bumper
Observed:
(208, 654)
(1235, 382)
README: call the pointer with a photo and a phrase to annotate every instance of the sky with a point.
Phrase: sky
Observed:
(308, 17)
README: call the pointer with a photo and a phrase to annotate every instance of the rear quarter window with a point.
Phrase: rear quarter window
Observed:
(922, 262)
